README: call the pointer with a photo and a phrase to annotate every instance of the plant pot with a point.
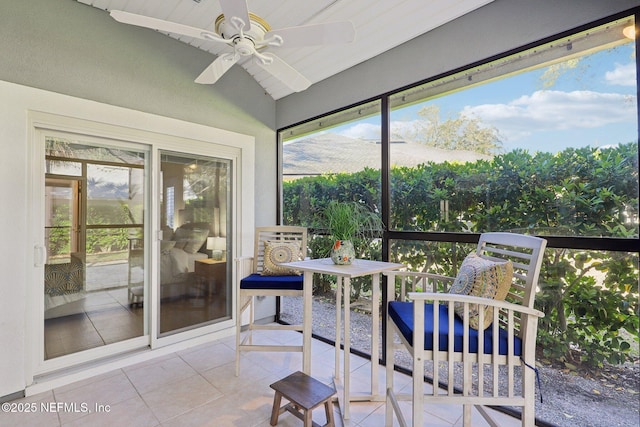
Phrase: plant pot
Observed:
(343, 252)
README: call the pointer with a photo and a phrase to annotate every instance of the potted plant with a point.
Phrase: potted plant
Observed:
(348, 222)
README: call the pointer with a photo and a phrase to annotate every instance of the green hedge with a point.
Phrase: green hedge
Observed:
(589, 297)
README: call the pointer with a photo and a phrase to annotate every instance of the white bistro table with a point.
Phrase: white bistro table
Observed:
(344, 274)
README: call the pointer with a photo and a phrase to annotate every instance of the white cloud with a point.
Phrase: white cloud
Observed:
(362, 131)
(541, 111)
(555, 110)
(622, 75)
(369, 131)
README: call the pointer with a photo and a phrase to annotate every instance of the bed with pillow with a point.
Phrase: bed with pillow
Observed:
(179, 251)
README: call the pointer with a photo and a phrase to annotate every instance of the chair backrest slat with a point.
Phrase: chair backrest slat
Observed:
(282, 233)
(525, 252)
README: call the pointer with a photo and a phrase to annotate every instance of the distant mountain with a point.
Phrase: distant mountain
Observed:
(332, 153)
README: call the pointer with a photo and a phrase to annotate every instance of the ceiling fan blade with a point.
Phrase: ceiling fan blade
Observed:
(159, 24)
(284, 72)
(221, 65)
(316, 34)
(237, 8)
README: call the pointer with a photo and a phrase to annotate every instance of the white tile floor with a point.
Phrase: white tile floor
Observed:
(197, 387)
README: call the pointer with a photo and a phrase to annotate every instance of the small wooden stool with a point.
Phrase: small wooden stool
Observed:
(305, 394)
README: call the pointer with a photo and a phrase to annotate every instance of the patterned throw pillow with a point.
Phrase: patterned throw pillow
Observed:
(278, 252)
(482, 278)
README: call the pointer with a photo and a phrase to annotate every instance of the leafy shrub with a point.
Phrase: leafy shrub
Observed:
(588, 297)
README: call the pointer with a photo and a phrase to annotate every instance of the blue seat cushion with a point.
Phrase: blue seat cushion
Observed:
(258, 281)
(402, 315)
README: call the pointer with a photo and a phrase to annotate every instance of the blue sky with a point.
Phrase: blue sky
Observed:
(593, 104)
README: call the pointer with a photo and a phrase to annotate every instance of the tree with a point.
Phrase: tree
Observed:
(458, 133)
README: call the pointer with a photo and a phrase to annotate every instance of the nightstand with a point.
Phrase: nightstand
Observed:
(212, 274)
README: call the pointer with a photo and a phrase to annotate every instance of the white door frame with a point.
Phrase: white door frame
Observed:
(176, 136)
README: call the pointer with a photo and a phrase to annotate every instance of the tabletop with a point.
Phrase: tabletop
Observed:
(359, 267)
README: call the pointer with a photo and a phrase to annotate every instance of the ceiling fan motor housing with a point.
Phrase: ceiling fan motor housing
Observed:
(244, 46)
(250, 39)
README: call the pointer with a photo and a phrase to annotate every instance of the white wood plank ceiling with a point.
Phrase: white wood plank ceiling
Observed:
(380, 25)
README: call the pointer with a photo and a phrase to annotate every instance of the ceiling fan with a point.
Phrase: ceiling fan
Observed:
(249, 35)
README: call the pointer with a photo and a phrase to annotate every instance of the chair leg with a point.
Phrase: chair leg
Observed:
(251, 319)
(466, 415)
(529, 389)
(388, 420)
(418, 383)
(418, 394)
(238, 330)
(241, 308)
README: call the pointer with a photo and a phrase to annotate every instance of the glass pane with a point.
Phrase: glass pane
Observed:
(590, 300)
(59, 167)
(195, 285)
(543, 142)
(59, 200)
(115, 195)
(65, 148)
(336, 158)
(93, 292)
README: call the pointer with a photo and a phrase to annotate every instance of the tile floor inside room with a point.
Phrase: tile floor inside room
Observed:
(101, 317)
(198, 387)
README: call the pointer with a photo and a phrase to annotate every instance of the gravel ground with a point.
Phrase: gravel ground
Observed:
(570, 400)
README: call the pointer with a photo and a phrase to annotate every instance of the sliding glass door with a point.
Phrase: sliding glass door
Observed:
(195, 221)
(133, 245)
(94, 217)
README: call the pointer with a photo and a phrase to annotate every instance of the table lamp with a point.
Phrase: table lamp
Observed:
(217, 246)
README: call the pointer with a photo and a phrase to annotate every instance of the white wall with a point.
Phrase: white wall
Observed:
(13, 261)
(498, 27)
(88, 65)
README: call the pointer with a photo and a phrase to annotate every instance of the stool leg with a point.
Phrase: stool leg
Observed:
(276, 408)
(328, 410)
